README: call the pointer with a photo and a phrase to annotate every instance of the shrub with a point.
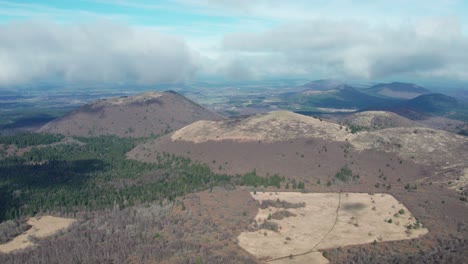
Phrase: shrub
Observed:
(280, 204)
(270, 226)
(281, 214)
(344, 174)
(10, 229)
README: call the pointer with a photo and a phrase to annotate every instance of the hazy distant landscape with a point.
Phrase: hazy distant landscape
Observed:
(263, 131)
(333, 99)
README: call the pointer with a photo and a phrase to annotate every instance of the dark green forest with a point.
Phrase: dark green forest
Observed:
(93, 174)
(29, 139)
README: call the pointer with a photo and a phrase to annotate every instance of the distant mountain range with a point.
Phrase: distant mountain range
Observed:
(322, 85)
(406, 99)
(335, 95)
(429, 105)
(397, 90)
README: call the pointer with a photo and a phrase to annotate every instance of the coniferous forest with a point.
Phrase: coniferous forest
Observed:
(125, 208)
(93, 173)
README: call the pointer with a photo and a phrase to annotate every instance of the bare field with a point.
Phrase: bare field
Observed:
(327, 220)
(41, 227)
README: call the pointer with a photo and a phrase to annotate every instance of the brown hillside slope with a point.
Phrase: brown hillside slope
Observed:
(413, 164)
(373, 120)
(285, 143)
(423, 145)
(271, 127)
(142, 115)
(444, 151)
(306, 148)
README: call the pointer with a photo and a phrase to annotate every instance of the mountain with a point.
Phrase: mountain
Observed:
(270, 127)
(422, 145)
(435, 103)
(397, 90)
(340, 97)
(460, 94)
(322, 85)
(374, 120)
(284, 143)
(141, 115)
(430, 105)
(302, 147)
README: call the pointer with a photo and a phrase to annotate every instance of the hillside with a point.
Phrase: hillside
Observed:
(142, 115)
(338, 97)
(381, 190)
(322, 85)
(311, 149)
(430, 105)
(271, 127)
(423, 145)
(374, 120)
(397, 90)
(291, 145)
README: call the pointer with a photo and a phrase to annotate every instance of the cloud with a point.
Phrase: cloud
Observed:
(376, 10)
(432, 47)
(91, 52)
(261, 39)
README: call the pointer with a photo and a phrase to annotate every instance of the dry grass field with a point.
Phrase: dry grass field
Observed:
(41, 227)
(318, 221)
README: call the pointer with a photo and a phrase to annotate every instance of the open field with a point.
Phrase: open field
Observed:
(41, 227)
(318, 221)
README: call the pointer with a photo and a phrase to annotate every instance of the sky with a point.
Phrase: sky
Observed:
(183, 41)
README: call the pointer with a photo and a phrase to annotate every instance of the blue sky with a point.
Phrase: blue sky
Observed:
(185, 40)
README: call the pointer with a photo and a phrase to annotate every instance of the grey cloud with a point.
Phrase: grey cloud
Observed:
(237, 70)
(92, 52)
(429, 48)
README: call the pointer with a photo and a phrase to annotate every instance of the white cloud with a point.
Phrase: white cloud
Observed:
(355, 49)
(259, 39)
(91, 52)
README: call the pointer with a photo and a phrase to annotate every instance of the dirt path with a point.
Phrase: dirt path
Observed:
(327, 220)
(319, 242)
